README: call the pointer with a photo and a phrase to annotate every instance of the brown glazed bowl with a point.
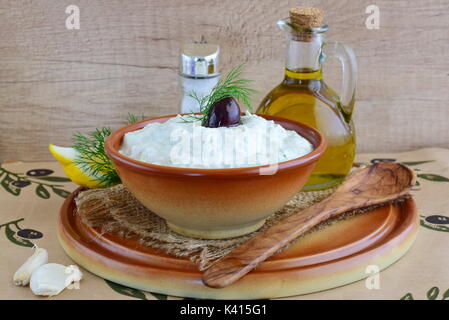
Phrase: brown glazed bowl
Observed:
(214, 203)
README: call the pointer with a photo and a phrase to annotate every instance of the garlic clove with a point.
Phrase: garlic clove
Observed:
(37, 259)
(50, 279)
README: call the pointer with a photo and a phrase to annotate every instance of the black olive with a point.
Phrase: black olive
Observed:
(223, 113)
(20, 183)
(437, 219)
(29, 234)
(382, 160)
(39, 172)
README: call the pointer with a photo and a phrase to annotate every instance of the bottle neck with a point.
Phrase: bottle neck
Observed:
(303, 57)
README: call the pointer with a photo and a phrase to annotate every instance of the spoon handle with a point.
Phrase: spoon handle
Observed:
(247, 256)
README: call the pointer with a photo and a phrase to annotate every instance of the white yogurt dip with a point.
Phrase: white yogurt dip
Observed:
(178, 142)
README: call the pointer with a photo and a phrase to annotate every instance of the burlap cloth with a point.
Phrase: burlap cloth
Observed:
(116, 210)
(28, 216)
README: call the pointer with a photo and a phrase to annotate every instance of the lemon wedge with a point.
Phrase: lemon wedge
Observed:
(66, 157)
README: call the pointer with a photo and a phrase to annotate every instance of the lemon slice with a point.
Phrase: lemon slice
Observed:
(66, 157)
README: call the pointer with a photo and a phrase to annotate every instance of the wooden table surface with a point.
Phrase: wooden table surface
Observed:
(124, 58)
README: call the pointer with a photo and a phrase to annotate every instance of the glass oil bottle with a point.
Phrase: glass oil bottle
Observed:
(305, 97)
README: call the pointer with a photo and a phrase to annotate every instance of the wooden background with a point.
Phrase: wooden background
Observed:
(55, 81)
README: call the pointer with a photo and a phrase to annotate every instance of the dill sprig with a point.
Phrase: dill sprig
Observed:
(132, 118)
(92, 157)
(228, 87)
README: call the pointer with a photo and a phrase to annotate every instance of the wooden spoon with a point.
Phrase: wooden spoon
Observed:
(377, 184)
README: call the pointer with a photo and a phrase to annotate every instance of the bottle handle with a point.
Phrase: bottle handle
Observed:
(349, 68)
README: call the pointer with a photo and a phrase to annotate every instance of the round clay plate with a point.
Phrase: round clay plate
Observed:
(328, 258)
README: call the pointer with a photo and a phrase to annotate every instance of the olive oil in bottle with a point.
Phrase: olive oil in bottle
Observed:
(305, 97)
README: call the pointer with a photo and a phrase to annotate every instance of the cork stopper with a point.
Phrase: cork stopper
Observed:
(306, 17)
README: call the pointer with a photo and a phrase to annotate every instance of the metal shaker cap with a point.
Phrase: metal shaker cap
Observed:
(200, 60)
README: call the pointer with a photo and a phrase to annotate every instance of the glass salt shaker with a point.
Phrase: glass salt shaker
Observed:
(199, 71)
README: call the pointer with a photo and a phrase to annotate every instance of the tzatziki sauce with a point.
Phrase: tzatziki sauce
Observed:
(182, 142)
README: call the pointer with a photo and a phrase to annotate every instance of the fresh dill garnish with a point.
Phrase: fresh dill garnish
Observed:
(92, 157)
(228, 87)
(132, 118)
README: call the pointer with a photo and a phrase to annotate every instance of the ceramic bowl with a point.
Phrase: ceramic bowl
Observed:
(215, 203)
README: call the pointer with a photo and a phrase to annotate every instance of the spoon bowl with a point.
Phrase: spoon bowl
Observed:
(379, 181)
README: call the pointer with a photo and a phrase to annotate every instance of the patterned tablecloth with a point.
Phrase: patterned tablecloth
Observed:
(31, 194)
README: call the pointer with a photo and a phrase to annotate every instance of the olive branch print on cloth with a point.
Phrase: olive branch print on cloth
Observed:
(131, 292)
(435, 222)
(19, 236)
(432, 294)
(42, 179)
